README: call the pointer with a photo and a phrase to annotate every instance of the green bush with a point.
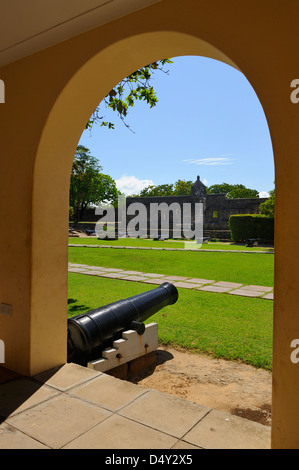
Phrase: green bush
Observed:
(247, 226)
(71, 213)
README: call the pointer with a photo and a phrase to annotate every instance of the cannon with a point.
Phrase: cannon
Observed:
(92, 332)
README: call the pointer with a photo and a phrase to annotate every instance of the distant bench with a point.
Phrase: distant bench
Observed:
(203, 240)
(253, 241)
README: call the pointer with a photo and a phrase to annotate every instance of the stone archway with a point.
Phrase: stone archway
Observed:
(73, 108)
(53, 93)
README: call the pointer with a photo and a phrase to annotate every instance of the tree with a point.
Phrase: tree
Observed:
(179, 188)
(223, 188)
(233, 191)
(242, 192)
(88, 185)
(268, 207)
(160, 190)
(182, 187)
(137, 86)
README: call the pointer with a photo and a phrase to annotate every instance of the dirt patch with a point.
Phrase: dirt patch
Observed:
(233, 387)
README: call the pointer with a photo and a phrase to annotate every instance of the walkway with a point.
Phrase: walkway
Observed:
(206, 285)
(73, 407)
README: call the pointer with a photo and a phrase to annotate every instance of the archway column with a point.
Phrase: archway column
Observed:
(33, 259)
(285, 403)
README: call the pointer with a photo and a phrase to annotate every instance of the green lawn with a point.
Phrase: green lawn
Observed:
(221, 325)
(233, 267)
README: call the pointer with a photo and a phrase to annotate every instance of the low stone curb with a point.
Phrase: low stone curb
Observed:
(75, 245)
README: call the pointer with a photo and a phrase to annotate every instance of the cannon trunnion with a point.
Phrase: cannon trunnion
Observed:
(92, 332)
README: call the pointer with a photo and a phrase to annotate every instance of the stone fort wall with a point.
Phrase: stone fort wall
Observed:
(217, 209)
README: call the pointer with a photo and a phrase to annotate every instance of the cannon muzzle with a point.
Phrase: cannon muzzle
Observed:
(90, 333)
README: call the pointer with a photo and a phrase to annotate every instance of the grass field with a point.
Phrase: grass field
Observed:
(232, 267)
(221, 325)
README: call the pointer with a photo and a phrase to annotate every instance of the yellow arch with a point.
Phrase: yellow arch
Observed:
(55, 153)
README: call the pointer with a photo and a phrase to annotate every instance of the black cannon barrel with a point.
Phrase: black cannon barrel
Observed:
(90, 333)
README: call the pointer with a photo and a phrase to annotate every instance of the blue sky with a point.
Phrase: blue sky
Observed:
(208, 122)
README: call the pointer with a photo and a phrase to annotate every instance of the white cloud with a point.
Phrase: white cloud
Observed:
(264, 194)
(222, 160)
(132, 185)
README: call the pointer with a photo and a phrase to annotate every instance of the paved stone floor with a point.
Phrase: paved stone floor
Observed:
(207, 285)
(73, 407)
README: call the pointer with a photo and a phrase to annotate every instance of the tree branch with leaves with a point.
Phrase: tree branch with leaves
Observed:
(136, 87)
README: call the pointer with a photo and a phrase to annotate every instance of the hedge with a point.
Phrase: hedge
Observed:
(246, 226)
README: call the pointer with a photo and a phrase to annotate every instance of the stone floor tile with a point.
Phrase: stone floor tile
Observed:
(67, 376)
(137, 273)
(258, 288)
(154, 281)
(59, 420)
(200, 281)
(268, 296)
(92, 272)
(21, 394)
(11, 438)
(231, 285)
(153, 275)
(185, 445)
(164, 412)
(213, 288)
(219, 430)
(135, 278)
(96, 268)
(118, 432)
(112, 275)
(246, 293)
(111, 270)
(186, 285)
(175, 278)
(109, 392)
